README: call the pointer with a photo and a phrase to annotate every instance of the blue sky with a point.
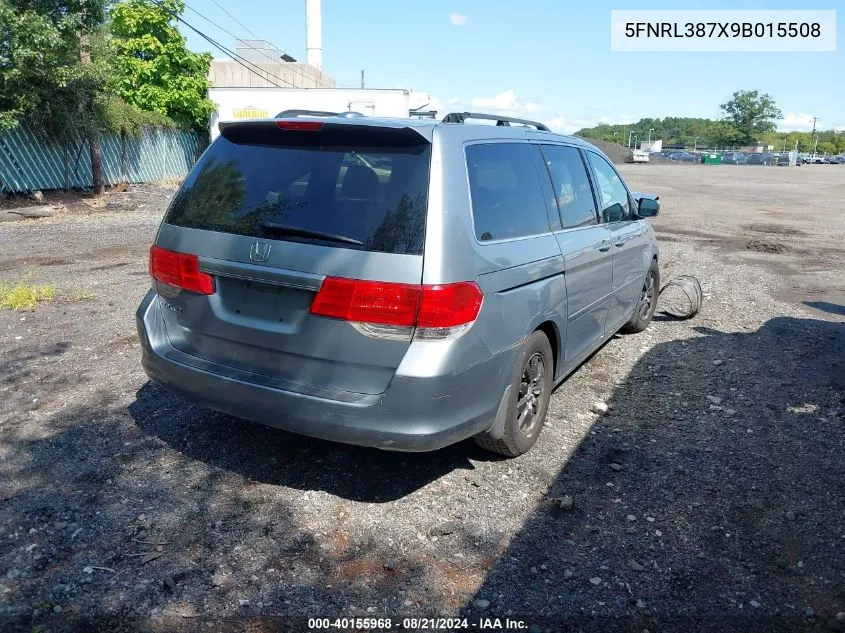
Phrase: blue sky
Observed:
(543, 59)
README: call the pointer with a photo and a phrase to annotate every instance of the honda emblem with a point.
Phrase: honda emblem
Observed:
(259, 251)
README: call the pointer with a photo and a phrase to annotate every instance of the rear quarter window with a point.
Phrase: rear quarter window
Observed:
(507, 199)
(375, 197)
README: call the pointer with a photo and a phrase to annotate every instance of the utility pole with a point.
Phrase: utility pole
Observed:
(813, 136)
(362, 79)
(93, 141)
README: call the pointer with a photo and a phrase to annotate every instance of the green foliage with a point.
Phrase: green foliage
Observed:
(751, 114)
(37, 54)
(673, 131)
(750, 118)
(43, 78)
(723, 134)
(153, 68)
(119, 116)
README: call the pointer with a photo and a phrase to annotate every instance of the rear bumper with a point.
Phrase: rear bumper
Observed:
(415, 414)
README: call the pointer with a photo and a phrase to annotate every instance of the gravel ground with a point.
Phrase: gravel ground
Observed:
(711, 496)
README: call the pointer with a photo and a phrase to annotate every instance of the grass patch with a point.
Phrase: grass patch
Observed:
(24, 296)
(80, 295)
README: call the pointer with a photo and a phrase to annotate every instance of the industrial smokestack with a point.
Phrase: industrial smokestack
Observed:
(313, 35)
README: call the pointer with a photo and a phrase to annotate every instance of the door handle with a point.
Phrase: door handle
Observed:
(604, 246)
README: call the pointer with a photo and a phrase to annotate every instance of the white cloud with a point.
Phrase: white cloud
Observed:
(800, 122)
(457, 19)
(506, 103)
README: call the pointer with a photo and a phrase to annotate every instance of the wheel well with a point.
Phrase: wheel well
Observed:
(550, 330)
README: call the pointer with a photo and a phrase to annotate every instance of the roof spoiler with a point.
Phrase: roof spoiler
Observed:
(289, 114)
(270, 132)
(461, 117)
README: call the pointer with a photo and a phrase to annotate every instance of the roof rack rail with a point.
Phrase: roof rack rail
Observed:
(423, 114)
(295, 113)
(460, 117)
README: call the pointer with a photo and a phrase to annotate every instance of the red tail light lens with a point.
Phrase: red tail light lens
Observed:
(300, 126)
(407, 305)
(179, 269)
(367, 301)
(449, 305)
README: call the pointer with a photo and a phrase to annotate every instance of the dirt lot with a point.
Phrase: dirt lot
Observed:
(123, 507)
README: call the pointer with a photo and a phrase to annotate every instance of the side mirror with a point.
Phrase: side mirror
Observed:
(648, 208)
(614, 213)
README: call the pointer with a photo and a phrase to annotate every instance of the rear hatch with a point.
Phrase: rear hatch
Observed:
(270, 212)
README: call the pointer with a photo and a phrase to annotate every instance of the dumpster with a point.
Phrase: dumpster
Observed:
(711, 159)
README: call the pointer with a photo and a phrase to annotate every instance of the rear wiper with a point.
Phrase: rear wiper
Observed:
(283, 229)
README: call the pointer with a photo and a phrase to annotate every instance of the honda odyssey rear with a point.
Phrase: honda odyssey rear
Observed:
(322, 275)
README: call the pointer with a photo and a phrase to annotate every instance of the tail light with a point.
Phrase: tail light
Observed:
(180, 270)
(389, 310)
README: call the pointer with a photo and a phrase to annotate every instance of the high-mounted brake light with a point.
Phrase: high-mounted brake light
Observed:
(300, 126)
(180, 270)
(436, 312)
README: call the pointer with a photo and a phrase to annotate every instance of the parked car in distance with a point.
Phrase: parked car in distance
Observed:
(439, 296)
(638, 156)
(686, 157)
(761, 158)
(734, 158)
(815, 160)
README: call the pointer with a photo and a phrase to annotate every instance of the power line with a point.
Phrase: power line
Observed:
(235, 19)
(276, 61)
(212, 22)
(242, 61)
(245, 28)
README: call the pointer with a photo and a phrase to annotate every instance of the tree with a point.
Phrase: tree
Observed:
(56, 70)
(46, 73)
(153, 68)
(751, 114)
(725, 135)
(39, 52)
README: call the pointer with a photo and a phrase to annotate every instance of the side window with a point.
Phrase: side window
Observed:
(507, 201)
(613, 196)
(572, 186)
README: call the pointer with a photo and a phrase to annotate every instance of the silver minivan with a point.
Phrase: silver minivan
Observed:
(400, 284)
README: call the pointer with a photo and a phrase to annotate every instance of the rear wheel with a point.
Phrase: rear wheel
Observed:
(531, 389)
(647, 303)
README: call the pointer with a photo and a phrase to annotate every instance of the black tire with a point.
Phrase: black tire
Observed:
(519, 437)
(647, 303)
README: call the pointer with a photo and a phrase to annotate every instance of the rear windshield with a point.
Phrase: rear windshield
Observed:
(364, 197)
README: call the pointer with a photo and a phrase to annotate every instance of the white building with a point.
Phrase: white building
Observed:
(238, 103)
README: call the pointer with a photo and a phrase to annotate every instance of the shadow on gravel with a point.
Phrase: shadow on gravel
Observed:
(272, 456)
(725, 509)
(826, 306)
(100, 523)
